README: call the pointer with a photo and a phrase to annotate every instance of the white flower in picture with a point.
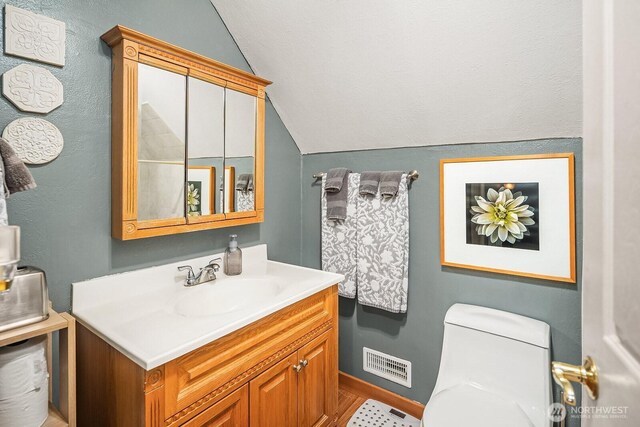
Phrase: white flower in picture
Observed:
(502, 215)
(193, 200)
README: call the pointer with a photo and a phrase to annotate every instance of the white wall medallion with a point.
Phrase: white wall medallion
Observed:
(34, 140)
(32, 88)
(34, 36)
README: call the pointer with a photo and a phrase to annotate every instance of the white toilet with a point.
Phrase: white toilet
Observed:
(494, 371)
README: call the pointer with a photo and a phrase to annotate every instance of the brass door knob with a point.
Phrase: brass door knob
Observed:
(304, 363)
(587, 374)
(297, 368)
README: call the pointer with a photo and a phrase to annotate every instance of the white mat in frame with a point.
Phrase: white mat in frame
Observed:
(554, 173)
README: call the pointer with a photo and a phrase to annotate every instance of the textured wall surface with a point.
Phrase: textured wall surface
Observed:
(66, 220)
(359, 74)
(417, 335)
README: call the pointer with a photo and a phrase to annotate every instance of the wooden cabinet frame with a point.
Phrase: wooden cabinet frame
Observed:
(113, 390)
(129, 48)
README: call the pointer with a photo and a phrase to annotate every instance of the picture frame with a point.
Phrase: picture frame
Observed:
(201, 191)
(229, 192)
(510, 215)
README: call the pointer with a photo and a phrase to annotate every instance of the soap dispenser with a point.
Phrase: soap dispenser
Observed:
(233, 257)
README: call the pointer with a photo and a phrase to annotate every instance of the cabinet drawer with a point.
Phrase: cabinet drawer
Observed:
(232, 411)
(212, 371)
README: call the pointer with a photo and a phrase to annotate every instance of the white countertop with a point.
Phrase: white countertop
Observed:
(152, 318)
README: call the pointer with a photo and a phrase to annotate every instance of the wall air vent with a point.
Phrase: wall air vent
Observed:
(386, 366)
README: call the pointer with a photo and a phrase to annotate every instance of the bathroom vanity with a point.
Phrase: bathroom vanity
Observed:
(257, 349)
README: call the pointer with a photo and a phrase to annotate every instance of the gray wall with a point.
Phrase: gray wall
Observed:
(417, 335)
(66, 220)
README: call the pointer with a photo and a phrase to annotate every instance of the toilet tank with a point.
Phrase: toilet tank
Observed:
(500, 352)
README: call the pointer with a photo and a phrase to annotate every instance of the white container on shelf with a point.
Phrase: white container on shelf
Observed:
(24, 385)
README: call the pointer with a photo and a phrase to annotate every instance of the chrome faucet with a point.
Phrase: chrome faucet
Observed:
(206, 274)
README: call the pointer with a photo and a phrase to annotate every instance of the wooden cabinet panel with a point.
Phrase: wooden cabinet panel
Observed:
(274, 396)
(232, 411)
(246, 372)
(240, 356)
(283, 397)
(317, 382)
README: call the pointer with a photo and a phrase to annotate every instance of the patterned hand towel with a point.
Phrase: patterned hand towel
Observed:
(244, 201)
(242, 183)
(389, 183)
(16, 175)
(335, 187)
(339, 239)
(369, 182)
(383, 250)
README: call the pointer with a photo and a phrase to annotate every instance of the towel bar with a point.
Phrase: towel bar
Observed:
(411, 175)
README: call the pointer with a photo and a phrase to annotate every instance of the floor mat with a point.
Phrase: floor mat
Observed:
(376, 414)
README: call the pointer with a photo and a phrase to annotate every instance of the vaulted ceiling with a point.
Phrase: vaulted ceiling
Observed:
(361, 74)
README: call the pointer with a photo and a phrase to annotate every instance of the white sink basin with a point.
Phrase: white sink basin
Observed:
(152, 318)
(211, 299)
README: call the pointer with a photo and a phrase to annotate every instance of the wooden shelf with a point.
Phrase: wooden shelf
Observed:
(65, 324)
(55, 418)
(55, 322)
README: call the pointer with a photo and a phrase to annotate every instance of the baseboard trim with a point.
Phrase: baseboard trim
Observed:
(370, 391)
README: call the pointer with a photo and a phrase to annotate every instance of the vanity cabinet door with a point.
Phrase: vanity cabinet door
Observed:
(205, 148)
(232, 411)
(317, 382)
(161, 149)
(274, 396)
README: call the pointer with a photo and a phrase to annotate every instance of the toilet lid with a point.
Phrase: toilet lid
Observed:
(468, 405)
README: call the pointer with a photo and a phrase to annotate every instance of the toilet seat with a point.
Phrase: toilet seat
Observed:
(469, 405)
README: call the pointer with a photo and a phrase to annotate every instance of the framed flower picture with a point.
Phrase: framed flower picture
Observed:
(511, 215)
(200, 190)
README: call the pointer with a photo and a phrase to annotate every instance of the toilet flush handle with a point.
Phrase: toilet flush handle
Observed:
(587, 374)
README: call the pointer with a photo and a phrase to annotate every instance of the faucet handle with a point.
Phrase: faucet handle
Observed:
(189, 269)
(214, 264)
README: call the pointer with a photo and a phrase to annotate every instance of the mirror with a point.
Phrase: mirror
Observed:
(162, 98)
(187, 140)
(205, 149)
(240, 151)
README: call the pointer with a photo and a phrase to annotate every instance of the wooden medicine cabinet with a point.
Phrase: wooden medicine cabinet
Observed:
(187, 140)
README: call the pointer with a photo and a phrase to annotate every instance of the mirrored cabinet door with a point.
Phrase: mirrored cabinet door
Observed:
(162, 99)
(205, 136)
(187, 140)
(240, 151)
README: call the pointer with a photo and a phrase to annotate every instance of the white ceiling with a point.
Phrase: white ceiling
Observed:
(360, 74)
